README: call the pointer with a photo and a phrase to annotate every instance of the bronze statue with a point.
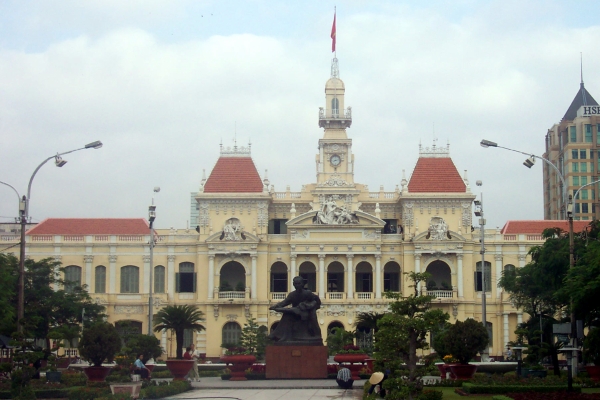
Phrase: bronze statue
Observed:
(299, 324)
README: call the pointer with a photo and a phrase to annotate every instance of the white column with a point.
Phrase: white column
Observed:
(377, 276)
(519, 318)
(322, 276)
(350, 277)
(171, 276)
(211, 276)
(112, 274)
(498, 259)
(88, 271)
(146, 288)
(253, 291)
(522, 259)
(163, 341)
(57, 257)
(292, 272)
(459, 276)
(418, 270)
(505, 317)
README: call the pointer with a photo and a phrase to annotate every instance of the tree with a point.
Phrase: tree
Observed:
(99, 342)
(148, 345)
(402, 332)
(253, 338)
(535, 289)
(178, 319)
(337, 339)
(9, 266)
(464, 339)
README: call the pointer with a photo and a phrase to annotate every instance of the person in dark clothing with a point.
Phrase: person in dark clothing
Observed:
(344, 378)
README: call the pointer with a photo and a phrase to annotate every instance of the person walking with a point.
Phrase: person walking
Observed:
(193, 374)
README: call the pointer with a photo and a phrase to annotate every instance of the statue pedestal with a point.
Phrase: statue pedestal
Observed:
(296, 362)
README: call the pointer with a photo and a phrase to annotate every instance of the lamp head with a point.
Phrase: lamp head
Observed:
(94, 145)
(529, 162)
(152, 213)
(59, 161)
(479, 183)
(488, 143)
(156, 189)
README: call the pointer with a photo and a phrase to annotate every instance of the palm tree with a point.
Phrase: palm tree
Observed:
(368, 320)
(178, 319)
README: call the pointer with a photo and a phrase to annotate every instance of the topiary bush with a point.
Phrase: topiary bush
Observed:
(99, 342)
(464, 340)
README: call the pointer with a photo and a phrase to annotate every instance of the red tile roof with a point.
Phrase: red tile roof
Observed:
(537, 227)
(91, 226)
(436, 175)
(234, 175)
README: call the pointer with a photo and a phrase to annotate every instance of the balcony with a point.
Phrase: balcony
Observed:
(232, 295)
(438, 294)
(335, 295)
(364, 295)
(335, 119)
(278, 295)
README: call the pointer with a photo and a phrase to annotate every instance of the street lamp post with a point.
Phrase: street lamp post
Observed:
(24, 217)
(151, 218)
(479, 213)
(570, 209)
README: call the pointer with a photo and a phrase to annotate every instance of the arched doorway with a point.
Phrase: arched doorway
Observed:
(391, 277)
(335, 277)
(441, 276)
(308, 272)
(364, 277)
(232, 277)
(279, 277)
(333, 325)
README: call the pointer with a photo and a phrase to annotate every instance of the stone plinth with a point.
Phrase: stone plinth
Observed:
(296, 362)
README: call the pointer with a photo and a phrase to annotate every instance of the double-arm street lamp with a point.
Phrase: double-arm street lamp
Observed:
(151, 243)
(568, 203)
(24, 217)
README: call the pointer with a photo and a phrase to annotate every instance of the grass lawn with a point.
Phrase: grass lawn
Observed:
(449, 394)
(590, 390)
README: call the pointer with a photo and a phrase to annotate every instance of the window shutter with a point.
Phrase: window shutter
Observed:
(477, 278)
(177, 282)
(194, 280)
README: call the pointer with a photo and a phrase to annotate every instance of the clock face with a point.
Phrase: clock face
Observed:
(335, 160)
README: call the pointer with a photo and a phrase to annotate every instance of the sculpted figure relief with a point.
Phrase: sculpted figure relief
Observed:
(299, 324)
(331, 214)
(438, 229)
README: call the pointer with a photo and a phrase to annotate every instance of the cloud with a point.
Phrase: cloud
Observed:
(162, 107)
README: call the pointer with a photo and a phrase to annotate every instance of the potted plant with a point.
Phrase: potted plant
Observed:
(341, 343)
(147, 345)
(52, 372)
(120, 376)
(591, 353)
(463, 340)
(177, 319)
(238, 359)
(98, 343)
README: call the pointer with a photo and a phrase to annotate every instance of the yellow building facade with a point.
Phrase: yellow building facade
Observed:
(350, 244)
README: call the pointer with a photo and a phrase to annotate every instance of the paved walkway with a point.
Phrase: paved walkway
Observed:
(292, 389)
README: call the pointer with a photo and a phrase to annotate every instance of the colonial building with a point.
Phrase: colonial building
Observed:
(350, 244)
(572, 146)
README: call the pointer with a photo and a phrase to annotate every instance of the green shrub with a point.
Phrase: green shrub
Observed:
(501, 398)
(162, 374)
(73, 379)
(472, 388)
(87, 393)
(158, 392)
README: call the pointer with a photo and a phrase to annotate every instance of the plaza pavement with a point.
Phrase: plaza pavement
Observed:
(292, 389)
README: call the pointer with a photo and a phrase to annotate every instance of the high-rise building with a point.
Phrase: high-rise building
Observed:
(573, 146)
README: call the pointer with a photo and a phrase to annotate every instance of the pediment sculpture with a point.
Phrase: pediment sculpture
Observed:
(332, 214)
(232, 230)
(438, 229)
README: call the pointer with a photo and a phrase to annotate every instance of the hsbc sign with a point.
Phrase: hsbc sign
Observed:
(588, 111)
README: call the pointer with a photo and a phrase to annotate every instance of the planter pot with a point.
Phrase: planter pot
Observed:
(179, 368)
(445, 370)
(594, 372)
(238, 365)
(96, 374)
(534, 373)
(53, 376)
(370, 369)
(355, 363)
(463, 371)
(131, 388)
(225, 377)
(63, 363)
(150, 367)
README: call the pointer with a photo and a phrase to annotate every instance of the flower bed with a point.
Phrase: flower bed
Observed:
(563, 395)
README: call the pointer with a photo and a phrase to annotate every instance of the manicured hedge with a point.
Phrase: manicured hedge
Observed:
(472, 388)
(158, 392)
(501, 398)
(42, 394)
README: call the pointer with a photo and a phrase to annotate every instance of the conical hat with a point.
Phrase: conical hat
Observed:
(376, 378)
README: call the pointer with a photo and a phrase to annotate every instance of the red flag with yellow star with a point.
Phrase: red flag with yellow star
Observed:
(333, 35)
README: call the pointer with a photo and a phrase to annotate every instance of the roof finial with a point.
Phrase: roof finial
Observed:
(583, 96)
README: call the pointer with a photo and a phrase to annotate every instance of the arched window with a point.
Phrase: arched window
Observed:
(231, 333)
(308, 272)
(391, 277)
(130, 279)
(185, 279)
(335, 107)
(487, 277)
(72, 278)
(159, 279)
(364, 277)
(335, 277)
(100, 284)
(509, 268)
(279, 281)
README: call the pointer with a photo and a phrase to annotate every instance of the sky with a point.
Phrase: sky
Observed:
(163, 83)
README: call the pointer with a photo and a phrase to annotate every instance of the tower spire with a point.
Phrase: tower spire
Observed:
(583, 97)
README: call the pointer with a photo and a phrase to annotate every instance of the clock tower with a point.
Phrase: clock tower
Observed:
(335, 162)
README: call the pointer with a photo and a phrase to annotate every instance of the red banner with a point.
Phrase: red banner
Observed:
(333, 35)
